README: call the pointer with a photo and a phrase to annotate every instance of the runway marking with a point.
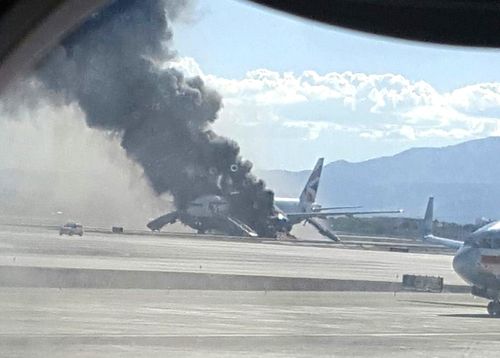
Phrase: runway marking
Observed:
(250, 335)
(443, 303)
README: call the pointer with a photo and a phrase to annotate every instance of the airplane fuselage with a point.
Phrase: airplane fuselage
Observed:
(477, 260)
(289, 205)
(473, 266)
(478, 263)
(292, 205)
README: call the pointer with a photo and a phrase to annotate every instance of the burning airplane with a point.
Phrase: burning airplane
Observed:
(213, 213)
(113, 68)
(206, 213)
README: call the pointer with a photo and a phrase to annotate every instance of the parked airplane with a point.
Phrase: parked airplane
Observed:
(477, 260)
(305, 209)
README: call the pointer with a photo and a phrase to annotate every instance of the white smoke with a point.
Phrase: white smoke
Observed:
(53, 162)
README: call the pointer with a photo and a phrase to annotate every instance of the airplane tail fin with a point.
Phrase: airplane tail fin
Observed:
(428, 236)
(428, 218)
(308, 195)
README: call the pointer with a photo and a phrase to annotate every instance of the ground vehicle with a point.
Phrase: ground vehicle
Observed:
(71, 228)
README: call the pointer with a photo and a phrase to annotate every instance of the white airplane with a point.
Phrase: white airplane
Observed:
(207, 213)
(305, 209)
(477, 260)
(211, 213)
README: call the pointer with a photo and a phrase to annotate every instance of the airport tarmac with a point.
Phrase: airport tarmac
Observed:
(114, 322)
(157, 323)
(44, 248)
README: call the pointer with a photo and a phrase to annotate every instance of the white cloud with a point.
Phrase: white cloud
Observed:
(478, 97)
(311, 130)
(384, 105)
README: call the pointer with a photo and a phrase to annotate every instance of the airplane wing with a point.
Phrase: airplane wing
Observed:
(158, 223)
(304, 216)
(453, 244)
(337, 208)
(323, 228)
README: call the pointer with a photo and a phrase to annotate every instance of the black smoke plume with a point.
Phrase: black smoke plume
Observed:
(109, 66)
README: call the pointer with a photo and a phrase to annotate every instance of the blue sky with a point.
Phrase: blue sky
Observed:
(290, 97)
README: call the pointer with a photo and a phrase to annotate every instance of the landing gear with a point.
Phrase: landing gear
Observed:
(494, 309)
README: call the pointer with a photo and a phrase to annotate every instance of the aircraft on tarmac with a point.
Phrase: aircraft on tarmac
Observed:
(208, 212)
(211, 213)
(305, 209)
(477, 260)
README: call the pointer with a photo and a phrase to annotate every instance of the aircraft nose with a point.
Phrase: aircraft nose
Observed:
(464, 263)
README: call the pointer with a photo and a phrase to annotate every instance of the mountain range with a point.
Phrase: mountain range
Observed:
(463, 178)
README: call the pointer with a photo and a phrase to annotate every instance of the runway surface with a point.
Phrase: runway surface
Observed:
(44, 248)
(115, 322)
(132, 323)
